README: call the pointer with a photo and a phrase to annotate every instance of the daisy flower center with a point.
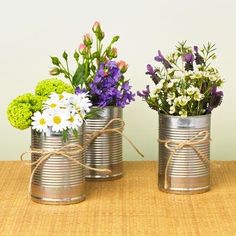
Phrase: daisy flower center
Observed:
(42, 121)
(53, 105)
(71, 119)
(61, 96)
(57, 120)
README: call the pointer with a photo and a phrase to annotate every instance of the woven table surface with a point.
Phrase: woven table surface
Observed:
(132, 205)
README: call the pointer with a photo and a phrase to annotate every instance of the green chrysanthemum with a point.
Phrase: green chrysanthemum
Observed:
(21, 109)
(45, 87)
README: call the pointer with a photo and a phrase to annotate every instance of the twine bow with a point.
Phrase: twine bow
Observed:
(177, 145)
(69, 150)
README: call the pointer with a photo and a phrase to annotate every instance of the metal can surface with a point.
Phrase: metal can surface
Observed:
(105, 152)
(187, 173)
(57, 180)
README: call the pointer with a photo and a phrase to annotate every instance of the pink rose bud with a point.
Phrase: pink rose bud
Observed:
(112, 53)
(54, 71)
(123, 66)
(96, 27)
(83, 49)
(87, 39)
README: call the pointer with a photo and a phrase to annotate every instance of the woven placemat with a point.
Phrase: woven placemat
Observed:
(132, 205)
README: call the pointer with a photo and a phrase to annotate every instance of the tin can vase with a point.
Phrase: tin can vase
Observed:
(187, 142)
(58, 180)
(105, 152)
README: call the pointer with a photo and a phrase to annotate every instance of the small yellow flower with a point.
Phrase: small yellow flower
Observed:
(183, 113)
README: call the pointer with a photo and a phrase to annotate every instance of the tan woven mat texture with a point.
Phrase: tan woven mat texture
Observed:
(132, 205)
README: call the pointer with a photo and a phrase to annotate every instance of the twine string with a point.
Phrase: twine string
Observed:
(176, 145)
(64, 152)
(106, 129)
(75, 149)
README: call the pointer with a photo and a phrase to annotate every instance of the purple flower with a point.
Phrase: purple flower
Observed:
(188, 58)
(215, 100)
(198, 58)
(109, 88)
(161, 58)
(126, 86)
(150, 70)
(195, 48)
(145, 93)
(78, 90)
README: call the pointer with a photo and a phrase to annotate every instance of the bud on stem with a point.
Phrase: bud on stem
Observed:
(115, 39)
(123, 66)
(55, 61)
(65, 55)
(54, 71)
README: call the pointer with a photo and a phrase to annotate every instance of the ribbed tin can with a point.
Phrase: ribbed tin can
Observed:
(187, 173)
(57, 180)
(105, 152)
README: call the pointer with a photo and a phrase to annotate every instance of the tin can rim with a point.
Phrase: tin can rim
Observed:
(188, 117)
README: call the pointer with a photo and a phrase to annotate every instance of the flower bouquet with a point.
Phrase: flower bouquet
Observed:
(102, 77)
(56, 115)
(185, 92)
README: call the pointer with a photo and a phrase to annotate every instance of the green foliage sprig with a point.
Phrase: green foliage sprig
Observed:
(87, 58)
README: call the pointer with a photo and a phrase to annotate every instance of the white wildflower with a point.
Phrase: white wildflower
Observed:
(172, 110)
(183, 113)
(183, 100)
(198, 96)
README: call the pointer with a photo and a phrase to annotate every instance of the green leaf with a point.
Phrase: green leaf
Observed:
(75, 132)
(93, 68)
(79, 76)
(95, 55)
(65, 135)
(94, 113)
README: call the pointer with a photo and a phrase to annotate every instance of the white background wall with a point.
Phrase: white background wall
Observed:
(31, 31)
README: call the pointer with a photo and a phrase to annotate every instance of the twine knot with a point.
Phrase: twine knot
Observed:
(176, 145)
(69, 150)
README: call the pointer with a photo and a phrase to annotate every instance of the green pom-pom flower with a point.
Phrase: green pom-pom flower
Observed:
(45, 87)
(21, 109)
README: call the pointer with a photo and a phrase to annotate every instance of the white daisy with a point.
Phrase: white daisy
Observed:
(40, 121)
(74, 121)
(54, 96)
(65, 98)
(52, 104)
(81, 103)
(58, 120)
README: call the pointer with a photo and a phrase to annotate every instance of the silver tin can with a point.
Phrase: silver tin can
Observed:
(105, 152)
(187, 173)
(57, 180)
